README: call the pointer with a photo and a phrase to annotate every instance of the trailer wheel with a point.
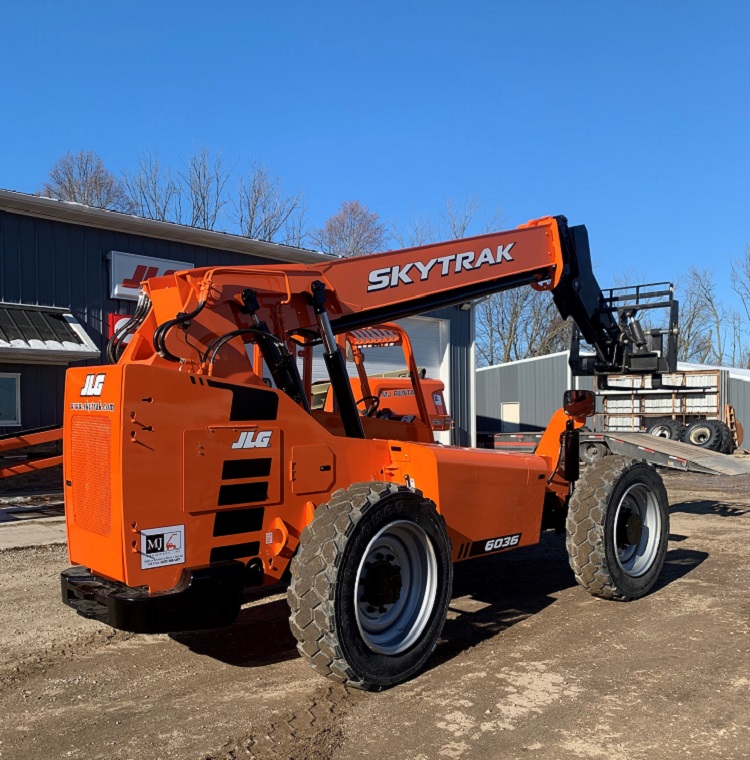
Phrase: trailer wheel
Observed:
(371, 583)
(592, 451)
(617, 528)
(706, 434)
(667, 428)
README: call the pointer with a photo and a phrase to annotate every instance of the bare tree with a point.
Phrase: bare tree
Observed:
(352, 231)
(741, 286)
(741, 279)
(263, 212)
(518, 324)
(498, 326)
(458, 219)
(707, 327)
(296, 227)
(83, 178)
(468, 218)
(419, 230)
(152, 190)
(204, 180)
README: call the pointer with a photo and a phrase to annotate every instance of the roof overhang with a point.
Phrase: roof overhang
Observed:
(42, 335)
(77, 213)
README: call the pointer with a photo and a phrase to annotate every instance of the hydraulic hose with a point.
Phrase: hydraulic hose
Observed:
(114, 345)
(160, 334)
(275, 354)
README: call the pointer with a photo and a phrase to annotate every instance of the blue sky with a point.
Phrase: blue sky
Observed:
(629, 117)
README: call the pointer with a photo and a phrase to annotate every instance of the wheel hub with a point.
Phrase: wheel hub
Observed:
(382, 583)
(634, 528)
(637, 530)
(629, 528)
(396, 587)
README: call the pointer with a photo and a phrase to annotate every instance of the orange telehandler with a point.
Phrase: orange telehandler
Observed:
(189, 475)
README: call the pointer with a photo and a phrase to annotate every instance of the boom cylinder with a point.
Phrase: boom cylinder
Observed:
(336, 366)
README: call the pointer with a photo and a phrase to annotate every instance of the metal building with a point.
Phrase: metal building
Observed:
(523, 395)
(68, 272)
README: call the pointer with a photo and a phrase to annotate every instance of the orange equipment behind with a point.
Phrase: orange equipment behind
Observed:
(393, 398)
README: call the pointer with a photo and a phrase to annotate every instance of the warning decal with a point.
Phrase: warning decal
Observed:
(162, 546)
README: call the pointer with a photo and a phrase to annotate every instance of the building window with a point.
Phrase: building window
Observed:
(10, 399)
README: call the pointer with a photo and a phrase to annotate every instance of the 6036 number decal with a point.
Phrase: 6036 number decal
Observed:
(503, 542)
(487, 545)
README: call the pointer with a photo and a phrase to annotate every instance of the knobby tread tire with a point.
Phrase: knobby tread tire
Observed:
(315, 576)
(585, 526)
(713, 442)
(727, 439)
(676, 429)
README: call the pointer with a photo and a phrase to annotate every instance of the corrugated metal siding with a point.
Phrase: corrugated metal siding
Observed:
(51, 263)
(461, 340)
(739, 395)
(69, 267)
(42, 388)
(537, 385)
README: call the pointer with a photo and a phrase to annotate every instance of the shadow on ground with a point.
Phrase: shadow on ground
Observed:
(710, 507)
(260, 636)
(490, 594)
(679, 563)
(521, 584)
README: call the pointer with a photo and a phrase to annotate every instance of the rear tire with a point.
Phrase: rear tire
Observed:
(371, 584)
(617, 528)
(706, 434)
(666, 428)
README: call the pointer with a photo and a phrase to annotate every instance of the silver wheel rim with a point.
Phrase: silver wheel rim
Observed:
(593, 452)
(700, 435)
(395, 588)
(661, 431)
(637, 530)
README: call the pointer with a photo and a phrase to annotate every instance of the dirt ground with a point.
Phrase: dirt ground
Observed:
(530, 666)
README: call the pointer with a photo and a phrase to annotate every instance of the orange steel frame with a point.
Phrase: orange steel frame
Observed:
(25, 440)
(150, 449)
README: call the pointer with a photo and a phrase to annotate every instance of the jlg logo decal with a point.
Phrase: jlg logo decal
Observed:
(142, 273)
(392, 277)
(259, 440)
(93, 385)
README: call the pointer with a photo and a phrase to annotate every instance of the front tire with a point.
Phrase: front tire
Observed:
(617, 528)
(371, 584)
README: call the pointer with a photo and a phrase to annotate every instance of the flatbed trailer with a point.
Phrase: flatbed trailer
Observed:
(650, 448)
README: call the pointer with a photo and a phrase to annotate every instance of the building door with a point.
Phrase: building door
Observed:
(510, 417)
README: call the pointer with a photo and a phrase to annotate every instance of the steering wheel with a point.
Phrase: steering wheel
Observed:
(374, 404)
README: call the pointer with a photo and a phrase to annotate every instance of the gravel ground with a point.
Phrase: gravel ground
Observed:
(530, 666)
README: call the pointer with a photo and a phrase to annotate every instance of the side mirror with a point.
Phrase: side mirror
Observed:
(579, 403)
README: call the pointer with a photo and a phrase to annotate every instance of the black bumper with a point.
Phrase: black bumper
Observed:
(206, 597)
